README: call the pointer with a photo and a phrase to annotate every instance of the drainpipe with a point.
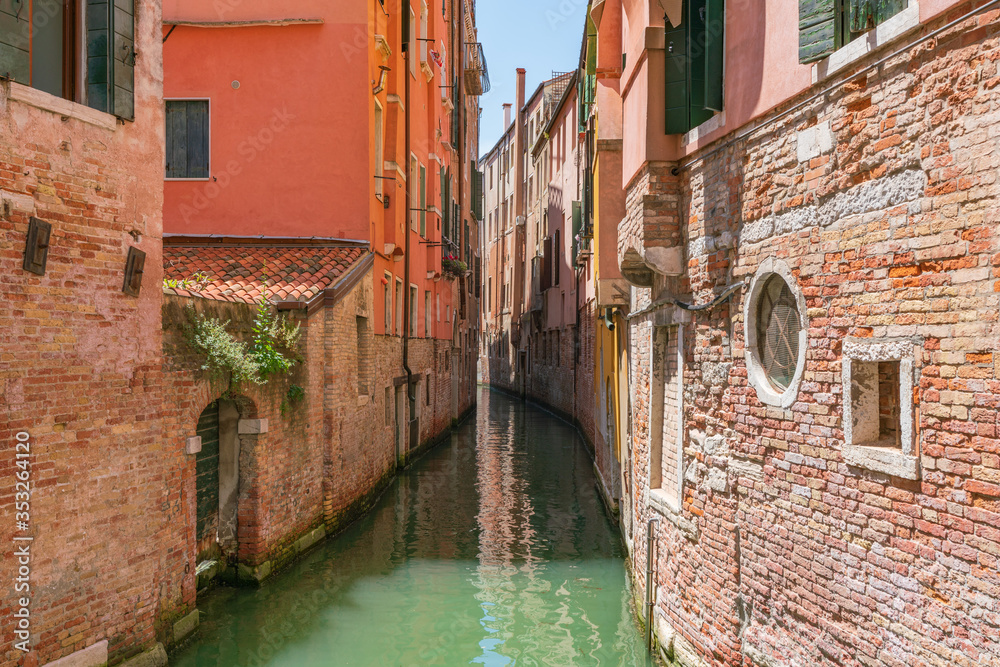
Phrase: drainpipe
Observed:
(649, 584)
(460, 150)
(407, 56)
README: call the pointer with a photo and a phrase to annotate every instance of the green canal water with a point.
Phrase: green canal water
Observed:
(494, 549)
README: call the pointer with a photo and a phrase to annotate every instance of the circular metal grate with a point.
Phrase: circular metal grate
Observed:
(778, 328)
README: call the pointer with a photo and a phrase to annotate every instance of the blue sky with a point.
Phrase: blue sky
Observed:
(541, 36)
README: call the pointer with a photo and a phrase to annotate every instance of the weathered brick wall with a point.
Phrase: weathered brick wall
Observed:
(288, 456)
(783, 552)
(80, 370)
(652, 214)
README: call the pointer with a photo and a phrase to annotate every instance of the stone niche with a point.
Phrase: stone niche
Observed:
(877, 377)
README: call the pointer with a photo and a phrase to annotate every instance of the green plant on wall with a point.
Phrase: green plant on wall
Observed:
(294, 394)
(195, 283)
(271, 352)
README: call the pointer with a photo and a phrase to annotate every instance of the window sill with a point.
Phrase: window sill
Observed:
(187, 180)
(892, 29)
(711, 125)
(19, 92)
(883, 459)
(660, 502)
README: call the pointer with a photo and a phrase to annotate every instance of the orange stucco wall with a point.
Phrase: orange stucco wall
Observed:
(293, 147)
(280, 141)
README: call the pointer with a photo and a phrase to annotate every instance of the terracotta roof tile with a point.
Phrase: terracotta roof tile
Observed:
(236, 272)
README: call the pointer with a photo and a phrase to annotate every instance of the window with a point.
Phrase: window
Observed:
(378, 149)
(414, 193)
(399, 307)
(413, 42)
(427, 314)
(827, 26)
(423, 201)
(778, 332)
(423, 33)
(776, 327)
(187, 136)
(388, 406)
(364, 357)
(387, 303)
(413, 311)
(556, 250)
(666, 409)
(40, 46)
(877, 389)
(694, 58)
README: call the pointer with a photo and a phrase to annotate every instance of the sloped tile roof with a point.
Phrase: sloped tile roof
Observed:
(235, 272)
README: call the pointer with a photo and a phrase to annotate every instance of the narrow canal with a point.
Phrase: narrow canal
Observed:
(494, 549)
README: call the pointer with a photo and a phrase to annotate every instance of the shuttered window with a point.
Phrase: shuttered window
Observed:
(39, 47)
(694, 52)
(827, 25)
(545, 279)
(187, 150)
(423, 200)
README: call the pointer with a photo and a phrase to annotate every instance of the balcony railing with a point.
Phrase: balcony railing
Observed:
(477, 77)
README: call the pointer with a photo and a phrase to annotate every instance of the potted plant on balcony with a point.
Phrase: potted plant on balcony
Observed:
(452, 267)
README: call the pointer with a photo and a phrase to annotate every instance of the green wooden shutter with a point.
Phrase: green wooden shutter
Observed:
(676, 89)
(111, 57)
(816, 29)
(864, 15)
(715, 52)
(14, 28)
(99, 64)
(124, 59)
(577, 228)
(477, 194)
(423, 200)
(697, 63)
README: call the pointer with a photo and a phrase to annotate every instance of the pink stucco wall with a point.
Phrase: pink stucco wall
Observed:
(762, 70)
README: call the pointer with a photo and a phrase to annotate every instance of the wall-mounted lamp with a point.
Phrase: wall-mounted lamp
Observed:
(380, 86)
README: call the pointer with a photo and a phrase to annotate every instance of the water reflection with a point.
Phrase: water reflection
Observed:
(492, 550)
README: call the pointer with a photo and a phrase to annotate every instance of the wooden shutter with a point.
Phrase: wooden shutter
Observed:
(445, 205)
(111, 57)
(187, 140)
(676, 89)
(697, 62)
(816, 29)
(545, 280)
(715, 52)
(864, 15)
(577, 227)
(477, 193)
(423, 200)
(14, 28)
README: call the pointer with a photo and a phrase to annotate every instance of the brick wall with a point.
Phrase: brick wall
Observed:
(785, 551)
(80, 369)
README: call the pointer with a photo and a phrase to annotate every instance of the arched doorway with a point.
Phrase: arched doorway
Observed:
(217, 481)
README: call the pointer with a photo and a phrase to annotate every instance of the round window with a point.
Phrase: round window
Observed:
(778, 327)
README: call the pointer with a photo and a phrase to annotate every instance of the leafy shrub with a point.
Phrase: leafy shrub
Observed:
(271, 352)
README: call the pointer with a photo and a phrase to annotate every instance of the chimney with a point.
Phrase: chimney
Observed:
(506, 116)
(520, 89)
